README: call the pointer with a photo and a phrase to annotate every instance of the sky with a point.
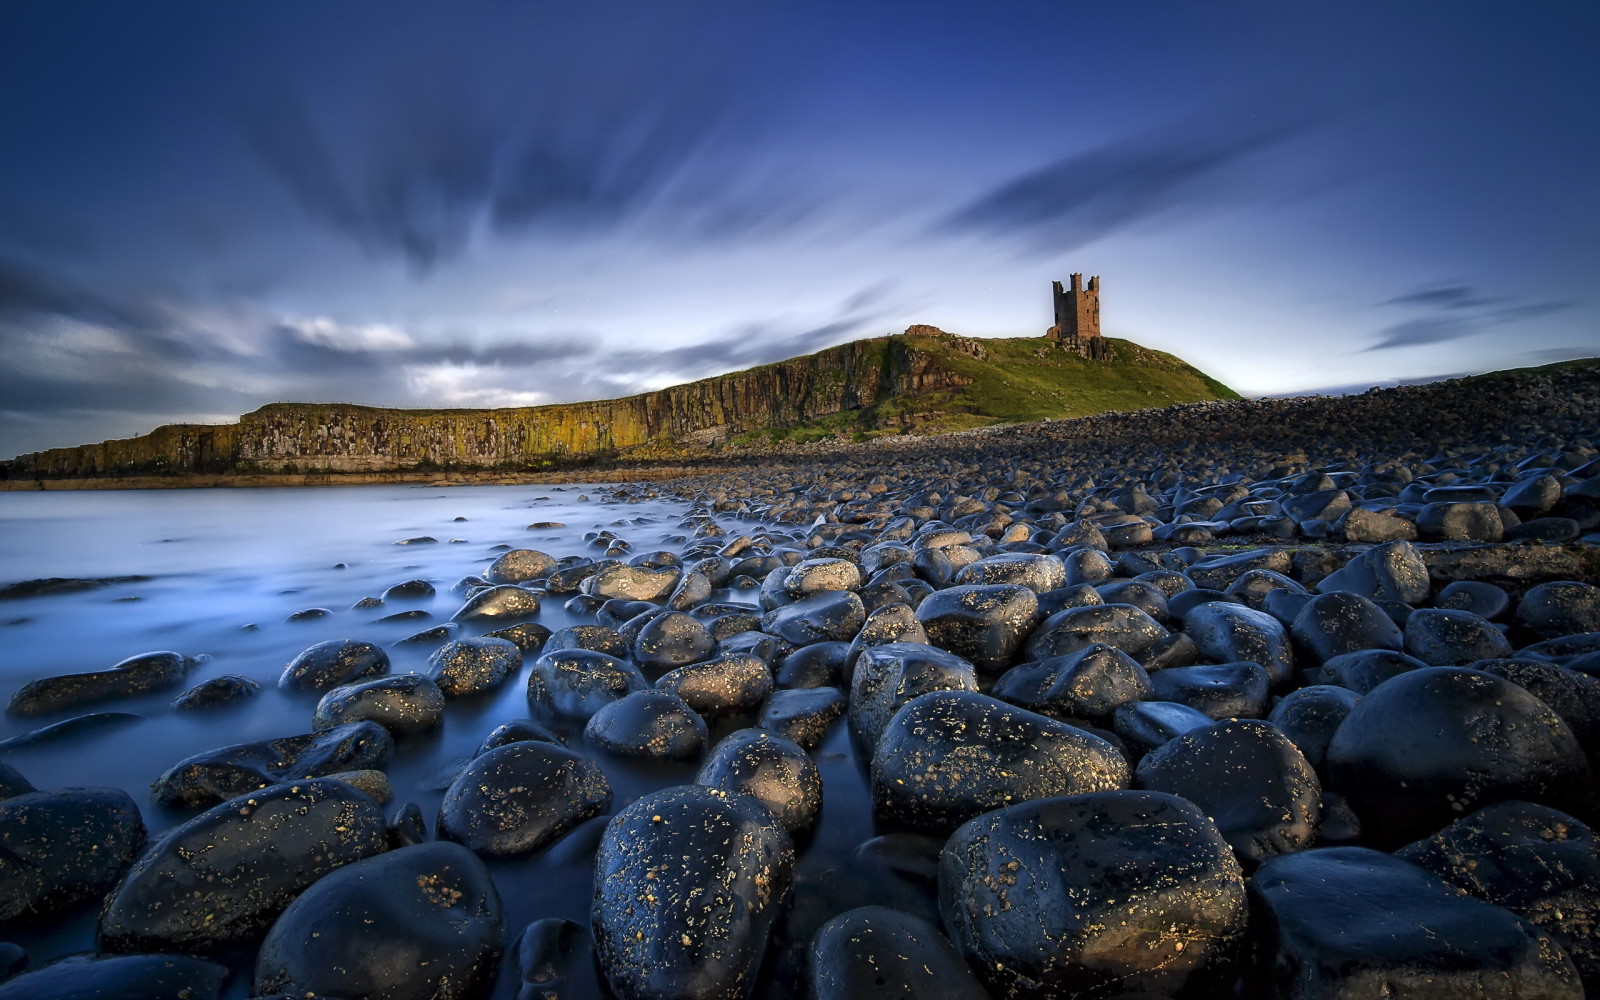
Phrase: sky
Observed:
(207, 207)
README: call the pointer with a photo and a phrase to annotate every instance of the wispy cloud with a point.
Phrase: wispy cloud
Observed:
(1455, 311)
(1087, 196)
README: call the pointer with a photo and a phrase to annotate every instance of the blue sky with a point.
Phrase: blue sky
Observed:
(206, 207)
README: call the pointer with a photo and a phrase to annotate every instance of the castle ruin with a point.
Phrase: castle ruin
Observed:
(1077, 313)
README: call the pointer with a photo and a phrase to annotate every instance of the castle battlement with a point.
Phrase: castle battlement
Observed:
(1077, 315)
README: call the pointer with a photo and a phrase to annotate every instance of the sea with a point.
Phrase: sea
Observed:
(222, 571)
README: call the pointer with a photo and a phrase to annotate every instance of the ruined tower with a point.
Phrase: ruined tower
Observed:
(1077, 313)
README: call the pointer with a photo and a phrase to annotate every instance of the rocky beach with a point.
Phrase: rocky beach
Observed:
(1250, 698)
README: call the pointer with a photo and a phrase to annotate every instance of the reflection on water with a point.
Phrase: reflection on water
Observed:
(228, 567)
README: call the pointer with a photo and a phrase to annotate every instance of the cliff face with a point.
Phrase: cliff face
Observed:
(348, 438)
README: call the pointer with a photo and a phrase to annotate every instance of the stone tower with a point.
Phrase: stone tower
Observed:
(1077, 313)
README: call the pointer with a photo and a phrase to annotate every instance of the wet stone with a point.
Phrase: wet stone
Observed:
(1424, 748)
(888, 676)
(652, 723)
(675, 912)
(598, 638)
(634, 583)
(1537, 862)
(519, 566)
(1220, 690)
(471, 666)
(1039, 573)
(777, 772)
(575, 683)
(949, 755)
(1483, 599)
(1311, 715)
(1365, 669)
(830, 615)
(803, 715)
(554, 959)
(1442, 638)
(731, 684)
(1090, 683)
(418, 923)
(671, 640)
(411, 590)
(1146, 725)
(875, 952)
(1349, 923)
(821, 664)
(406, 705)
(529, 637)
(985, 624)
(208, 778)
(137, 675)
(221, 878)
(329, 664)
(217, 692)
(118, 977)
(1224, 632)
(1124, 626)
(1561, 607)
(517, 731)
(1249, 778)
(1336, 623)
(1025, 894)
(505, 603)
(521, 797)
(62, 847)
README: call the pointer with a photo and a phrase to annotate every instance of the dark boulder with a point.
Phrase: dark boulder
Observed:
(890, 675)
(216, 692)
(1124, 626)
(418, 923)
(63, 846)
(520, 797)
(575, 683)
(329, 664)
(651, 723)
(1252, 782)
(1220, 690)
(1336, 623)
(731, 684)
(471, 666)
(404, 704)
(119, 977)
(803, 715)
(505, 603)
(1428, 746)
(1442, 638)
(984, 624)
(134, 676)
(875, 953)
(1090, 895)
(1348, 923)
(1145, 725)
(947, 756)
(519, 566)
(830, 615)
(1310, 717)
(221, 878)
(1088, 684)
(1225, 632)
(210, 777)
(777, 772)
(676, 912)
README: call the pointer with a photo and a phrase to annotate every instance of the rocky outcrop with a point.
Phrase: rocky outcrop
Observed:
(926, 367)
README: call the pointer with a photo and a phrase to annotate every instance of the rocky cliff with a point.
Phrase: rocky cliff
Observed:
(923, 380)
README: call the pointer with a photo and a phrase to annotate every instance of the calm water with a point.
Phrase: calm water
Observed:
(228, 566)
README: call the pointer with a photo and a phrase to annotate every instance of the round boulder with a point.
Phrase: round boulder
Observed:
(520, 797)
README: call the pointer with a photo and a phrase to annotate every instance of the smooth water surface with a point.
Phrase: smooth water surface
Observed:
(227, 567)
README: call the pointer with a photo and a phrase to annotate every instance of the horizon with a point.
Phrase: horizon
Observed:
(413, 207)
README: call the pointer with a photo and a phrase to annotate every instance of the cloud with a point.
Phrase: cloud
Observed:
(1087, 196)
(321, 331)
(1454, 312)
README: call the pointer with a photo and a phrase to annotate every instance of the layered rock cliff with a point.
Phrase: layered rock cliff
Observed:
(923, 380)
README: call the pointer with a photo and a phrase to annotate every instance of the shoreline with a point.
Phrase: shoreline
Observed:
(292, 480)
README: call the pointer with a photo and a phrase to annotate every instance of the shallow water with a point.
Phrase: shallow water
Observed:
(227, 567)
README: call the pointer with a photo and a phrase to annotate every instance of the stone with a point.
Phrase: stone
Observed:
(555, 961)
(815, 576)
(1365, 669)
(417, 923)
(1090, 683)
(1455, 521)
(410, 590)
(1248, 778)
(519, 566)
(1349, 923)
(1145, 725)
(730, 684)
(1558, 608)
(576, 683)
(892, 674)
(1124, 626)
(1026, 895)
(518, 798)
(675, 911)
(220, 879)
(207, 778)
(672, 640)
(327, 665)
(1226, 633)
(504, 603)
(407, 705)
(947, 756)
(62, 847)
(1310, 716)
(1482, 599)
(529, 637)
(634, 583)
(984, 624)
(776, 771)
(1039, 573)
(118, 977)
(1431, 745)
(874, 952)
(651, 723)
(1220, 690)
(1336, 623)
(803, 715)
(1537, 862)
(465, 667)
(821, 617)
(1443, 638)
(223, 691)
(137, 675)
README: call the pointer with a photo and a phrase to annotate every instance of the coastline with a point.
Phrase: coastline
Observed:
(287, 480)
